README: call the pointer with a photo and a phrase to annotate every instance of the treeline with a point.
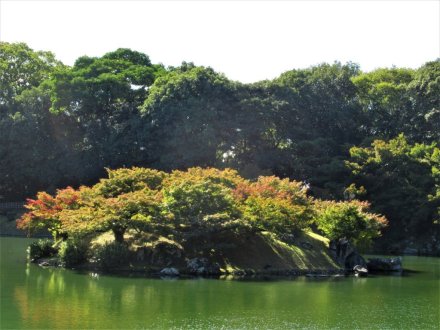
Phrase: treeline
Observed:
(62, 126)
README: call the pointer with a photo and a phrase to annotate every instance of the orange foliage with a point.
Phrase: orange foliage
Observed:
(43, 212)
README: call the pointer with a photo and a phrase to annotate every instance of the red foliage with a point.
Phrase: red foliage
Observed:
(270, 187)
(43, 211)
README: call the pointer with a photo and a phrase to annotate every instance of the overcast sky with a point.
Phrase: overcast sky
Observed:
(246, 40)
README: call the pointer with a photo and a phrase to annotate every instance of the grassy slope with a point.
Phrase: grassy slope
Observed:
(265, 253)
(260, 252)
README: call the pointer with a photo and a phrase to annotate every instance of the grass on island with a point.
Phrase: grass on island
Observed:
(260, 252)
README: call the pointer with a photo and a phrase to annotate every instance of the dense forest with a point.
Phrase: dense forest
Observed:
(347, 134)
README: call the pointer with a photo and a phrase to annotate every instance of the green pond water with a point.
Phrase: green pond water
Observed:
(37, 298)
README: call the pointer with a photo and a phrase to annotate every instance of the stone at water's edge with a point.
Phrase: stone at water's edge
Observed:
(47, 262)
(201, 266)
(169, 272)
(345, 254)
(360, 271)
(385, 264)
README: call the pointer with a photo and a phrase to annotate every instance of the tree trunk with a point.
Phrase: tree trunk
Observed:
(119, 234)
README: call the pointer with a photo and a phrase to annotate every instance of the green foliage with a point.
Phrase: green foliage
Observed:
(122, 201)
(383, 93)
(43, 248)
(191, 112)
(44, 212)
(318, 117)
(126, 180)
(424, 91)
(401, 181)
(192, 203)
(97, 83)
(275, 215)
(112, 256)
(328, 94)
(193, 195)
(350, 220)
(26, 126)
(100, 97)
(131, 210)
(64, 125)
(22, 68)
(401, 101)
(275, 205)
(73, 252)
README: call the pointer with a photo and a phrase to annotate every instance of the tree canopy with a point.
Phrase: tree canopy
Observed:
(199, 199)
(64, 125)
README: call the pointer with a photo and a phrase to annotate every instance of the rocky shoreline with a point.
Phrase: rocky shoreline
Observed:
(347, 261)
(200, 272)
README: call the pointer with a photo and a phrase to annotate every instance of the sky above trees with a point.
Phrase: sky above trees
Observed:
(247, 40)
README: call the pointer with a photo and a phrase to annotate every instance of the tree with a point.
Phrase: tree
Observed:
(132, 210)
(103, 95)
(275, 205)
(124, 180)
(401, 181)
(384, 97)
(192, 204)
(22, 68)
(319, 118)
(194, 196)
(424, 91)
(39, 150)
(323, 102)
(127, 198)
(26, 126)
(44, 212)
(191, 111)
(350, 220)
(97, 86)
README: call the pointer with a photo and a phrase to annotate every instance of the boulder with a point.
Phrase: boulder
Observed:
(345, 254)
(385, 264)
(169, 271)
(48, 262)
(354, 259)
(360, 271)
(202, 266)
(162, 253)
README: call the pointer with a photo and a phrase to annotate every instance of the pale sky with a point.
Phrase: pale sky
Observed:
(246, 40)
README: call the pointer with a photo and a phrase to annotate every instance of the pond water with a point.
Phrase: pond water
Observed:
(33, 297)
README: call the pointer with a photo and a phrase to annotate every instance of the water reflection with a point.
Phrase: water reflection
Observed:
(33, 297)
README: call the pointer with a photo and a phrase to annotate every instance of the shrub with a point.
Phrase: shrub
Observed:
(73, 252)
(275, 205)
(112, 256)
(350, 220)
(193, 195)
(137, 210)
(273, 214)
(126, 180)
(43, 248)
(43, 212)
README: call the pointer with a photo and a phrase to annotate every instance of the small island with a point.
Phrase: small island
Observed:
(202, 221)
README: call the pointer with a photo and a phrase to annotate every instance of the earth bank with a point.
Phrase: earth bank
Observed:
(253, 253)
